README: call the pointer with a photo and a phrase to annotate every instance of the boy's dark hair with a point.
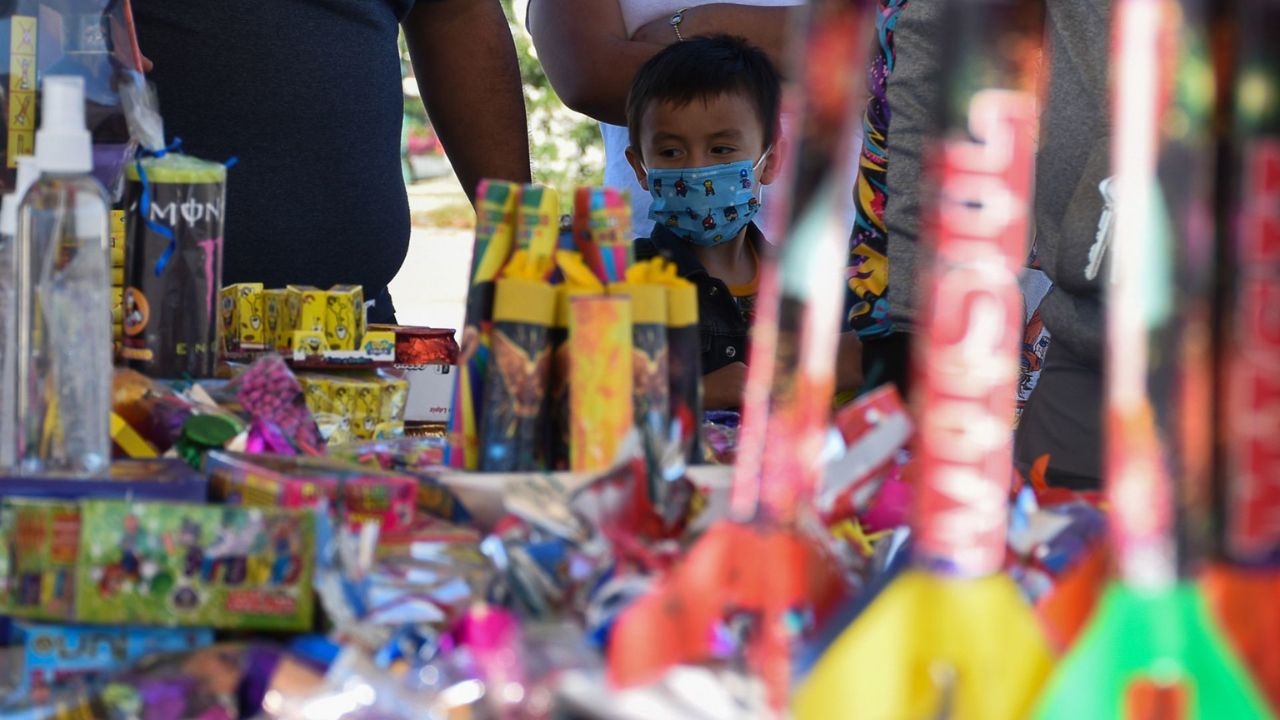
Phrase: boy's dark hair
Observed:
(703, 68)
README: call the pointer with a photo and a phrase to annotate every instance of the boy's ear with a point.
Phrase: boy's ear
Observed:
(772, 164)
(638, 166)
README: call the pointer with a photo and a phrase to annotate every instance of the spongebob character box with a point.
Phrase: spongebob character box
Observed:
(195, 565)
(241, 311)
(344, 317)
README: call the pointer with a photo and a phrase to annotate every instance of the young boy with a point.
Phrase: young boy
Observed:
(703, 120)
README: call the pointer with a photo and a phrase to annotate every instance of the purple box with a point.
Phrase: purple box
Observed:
(171, 480)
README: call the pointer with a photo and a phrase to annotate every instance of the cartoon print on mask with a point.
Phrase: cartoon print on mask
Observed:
(657, 185)
(710, 217)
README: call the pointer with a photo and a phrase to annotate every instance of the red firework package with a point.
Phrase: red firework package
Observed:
(359, 493)
(875, 429)
(422, 345)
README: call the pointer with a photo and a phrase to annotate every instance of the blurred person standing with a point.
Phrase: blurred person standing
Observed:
(308, 95)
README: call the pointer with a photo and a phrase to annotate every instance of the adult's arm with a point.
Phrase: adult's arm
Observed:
(586, 54)
(768, 28)
(465, 61)
(590, 61)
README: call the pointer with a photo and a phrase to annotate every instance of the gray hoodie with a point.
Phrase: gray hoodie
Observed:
(1072, 163)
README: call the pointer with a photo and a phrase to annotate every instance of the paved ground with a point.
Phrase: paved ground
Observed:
(431, 288)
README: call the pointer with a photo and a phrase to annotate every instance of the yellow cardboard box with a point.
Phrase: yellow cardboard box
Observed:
(311, 308)
(293, 308)
(250, 329)
(226, 317)
(344, 317)
(395, 396)
(317, 390)
(367, 409)
(273, 313)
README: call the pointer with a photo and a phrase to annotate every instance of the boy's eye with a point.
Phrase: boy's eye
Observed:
(723, 150)
(669, 153)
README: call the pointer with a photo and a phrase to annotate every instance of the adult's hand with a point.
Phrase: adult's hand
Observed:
(465, 61)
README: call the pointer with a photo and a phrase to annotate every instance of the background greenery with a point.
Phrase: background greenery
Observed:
(565, 147)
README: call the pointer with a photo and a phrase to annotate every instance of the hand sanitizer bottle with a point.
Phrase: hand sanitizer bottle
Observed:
(64, 311)
(28, 171)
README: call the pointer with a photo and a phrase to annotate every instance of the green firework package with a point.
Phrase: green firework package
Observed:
(173, 265)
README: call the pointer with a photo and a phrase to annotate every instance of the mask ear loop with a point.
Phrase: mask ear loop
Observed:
(759, 162)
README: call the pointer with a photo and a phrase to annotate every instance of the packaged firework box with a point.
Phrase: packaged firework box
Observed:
(275, 316)
(41, 543)
(684, 357)
(512, 422)
(309, 303)
(360, 494)
(195, 565)
(651, 390)
(600, 380)
(241, 315)
(344, 317)
(52, 654)
(173, 266)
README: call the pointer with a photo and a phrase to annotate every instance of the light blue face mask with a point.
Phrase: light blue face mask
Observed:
(706, 206)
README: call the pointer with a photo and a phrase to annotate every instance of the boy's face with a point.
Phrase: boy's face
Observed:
(722, 130)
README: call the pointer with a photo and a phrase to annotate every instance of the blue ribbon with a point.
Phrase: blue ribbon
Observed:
(145, 203)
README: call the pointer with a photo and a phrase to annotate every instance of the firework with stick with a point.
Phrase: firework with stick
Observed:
(1152, 649)
(932, 641)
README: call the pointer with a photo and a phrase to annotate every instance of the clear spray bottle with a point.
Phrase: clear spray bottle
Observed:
(28, 171)
(64, 330)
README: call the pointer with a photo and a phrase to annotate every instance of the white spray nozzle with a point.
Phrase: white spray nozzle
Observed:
(28, 173)
(63, 144)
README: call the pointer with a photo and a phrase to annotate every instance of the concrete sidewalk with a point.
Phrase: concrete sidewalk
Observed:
(431, 288)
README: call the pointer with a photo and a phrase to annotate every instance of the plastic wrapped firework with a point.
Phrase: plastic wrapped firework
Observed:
(538, 221)
(271, 394)
(684, 362)
(512, 423)
(495, 239)
(602, 232)
(651, 373)
(600, 380)
(173, 265)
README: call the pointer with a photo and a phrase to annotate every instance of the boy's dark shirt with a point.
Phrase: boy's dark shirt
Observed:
(308, 95)
(724, 325)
